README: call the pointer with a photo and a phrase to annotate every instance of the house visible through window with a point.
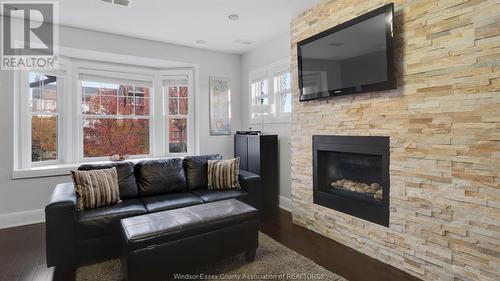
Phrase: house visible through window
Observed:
(43, 117)
(115, 117)
(89, 111)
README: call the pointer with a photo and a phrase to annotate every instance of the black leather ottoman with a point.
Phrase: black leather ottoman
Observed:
(159, 244)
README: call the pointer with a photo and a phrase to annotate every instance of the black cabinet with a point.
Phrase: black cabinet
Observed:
(259, 155)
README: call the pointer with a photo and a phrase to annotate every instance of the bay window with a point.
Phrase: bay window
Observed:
(90, 111)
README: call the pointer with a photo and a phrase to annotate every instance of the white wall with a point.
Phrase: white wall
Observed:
(21, 200)
(273, 51)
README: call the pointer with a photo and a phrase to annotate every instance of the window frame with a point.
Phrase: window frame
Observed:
(255, 114)
(71, 116)
(179, 75)
(102, 69)
(268, 72)
(280, 113)
(24, 124)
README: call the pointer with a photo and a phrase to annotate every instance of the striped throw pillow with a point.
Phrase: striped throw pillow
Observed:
(96, 188)
(223, 174)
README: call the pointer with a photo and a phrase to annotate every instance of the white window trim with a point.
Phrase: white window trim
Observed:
(172, 75)
(132, 73)
(268, 71)
(70, 130)
(24, 114)
(280, 114)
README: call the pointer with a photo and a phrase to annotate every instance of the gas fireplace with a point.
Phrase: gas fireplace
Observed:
(351, 175)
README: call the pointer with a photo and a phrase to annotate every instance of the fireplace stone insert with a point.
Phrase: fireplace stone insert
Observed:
(351, 175)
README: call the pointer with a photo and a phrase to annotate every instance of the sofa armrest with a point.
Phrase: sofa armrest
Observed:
(60, 225)
(251, 183)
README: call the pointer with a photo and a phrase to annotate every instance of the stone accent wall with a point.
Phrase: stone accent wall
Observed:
(444, 124)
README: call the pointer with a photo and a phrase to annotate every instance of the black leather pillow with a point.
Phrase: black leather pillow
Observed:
(156, 177)
(126, 178)
(196, 170)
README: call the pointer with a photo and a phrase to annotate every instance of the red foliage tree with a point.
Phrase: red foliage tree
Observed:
(106, 135)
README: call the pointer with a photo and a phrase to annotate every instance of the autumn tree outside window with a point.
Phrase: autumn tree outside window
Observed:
(44, 116)
(116, 116)
(88, 111)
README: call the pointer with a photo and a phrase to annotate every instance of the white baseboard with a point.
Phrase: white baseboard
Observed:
(285, 203)
(21, 218)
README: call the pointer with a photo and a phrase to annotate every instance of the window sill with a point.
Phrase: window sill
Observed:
(61, 169)
(45, 171)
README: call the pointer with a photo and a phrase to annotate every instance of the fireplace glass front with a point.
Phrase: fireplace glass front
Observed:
(351, 174)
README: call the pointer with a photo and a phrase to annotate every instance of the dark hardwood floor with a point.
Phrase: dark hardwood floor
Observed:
(22, 253)
(350, 264)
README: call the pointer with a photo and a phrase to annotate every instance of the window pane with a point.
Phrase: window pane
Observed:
(105, 137)
(91, 104)
(108, 105)
(173, 91)
(177, 129)
(126, 105)
(173, 106)
(43, 138)
(141, 106)
(259, 89)
(111, 134)
(183, 91)
(183, 106)
(284, 82)
(286, 100)
(43, 92)
(108, 90)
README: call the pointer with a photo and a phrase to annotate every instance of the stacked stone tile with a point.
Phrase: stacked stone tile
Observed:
(444, 125)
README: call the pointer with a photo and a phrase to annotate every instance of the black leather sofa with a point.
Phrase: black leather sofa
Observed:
(75, 237)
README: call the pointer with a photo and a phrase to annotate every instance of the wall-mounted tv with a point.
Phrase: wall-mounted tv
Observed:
(353, 57)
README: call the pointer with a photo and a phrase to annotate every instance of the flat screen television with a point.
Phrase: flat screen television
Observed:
(353, 57)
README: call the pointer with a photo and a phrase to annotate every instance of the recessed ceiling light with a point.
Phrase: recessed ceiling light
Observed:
(243, 41)
(124, 3)
(233, 17)
(201, 42)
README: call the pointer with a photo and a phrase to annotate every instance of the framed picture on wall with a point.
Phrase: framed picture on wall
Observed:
(220, 106)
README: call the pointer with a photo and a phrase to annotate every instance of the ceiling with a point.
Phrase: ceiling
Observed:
(184, 22)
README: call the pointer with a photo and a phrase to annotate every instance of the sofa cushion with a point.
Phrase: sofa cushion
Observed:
(195, 168)
(96, 188)
(185, 225)
(170, 201)
(223, 174)
(106, 220)
(126, 178)
(155, 177)
(217, 195)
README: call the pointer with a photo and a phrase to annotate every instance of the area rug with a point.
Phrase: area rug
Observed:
(273, 261)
